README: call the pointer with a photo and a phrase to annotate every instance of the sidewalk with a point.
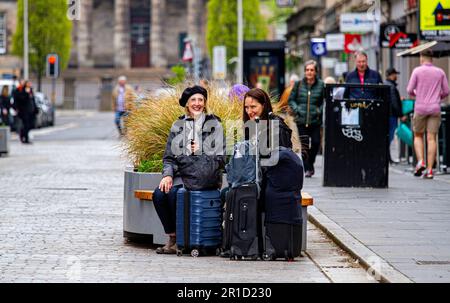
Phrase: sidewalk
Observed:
(401, 232)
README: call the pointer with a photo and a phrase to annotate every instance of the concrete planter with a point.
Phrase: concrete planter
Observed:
(4, 140)
(140, 220)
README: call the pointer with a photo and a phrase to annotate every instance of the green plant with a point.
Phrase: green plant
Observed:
(222, 24)
(152, 165)
(180, 75)
(50, 31)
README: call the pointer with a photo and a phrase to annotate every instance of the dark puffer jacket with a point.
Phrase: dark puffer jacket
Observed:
(307, 102)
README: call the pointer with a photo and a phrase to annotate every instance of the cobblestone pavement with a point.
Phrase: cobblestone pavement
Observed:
(61, 221)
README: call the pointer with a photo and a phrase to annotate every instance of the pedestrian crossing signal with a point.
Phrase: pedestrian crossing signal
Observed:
(52, 66)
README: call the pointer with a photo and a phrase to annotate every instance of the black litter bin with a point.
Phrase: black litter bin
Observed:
(356, 146)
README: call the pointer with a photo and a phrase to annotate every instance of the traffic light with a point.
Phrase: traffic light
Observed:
(52, 66)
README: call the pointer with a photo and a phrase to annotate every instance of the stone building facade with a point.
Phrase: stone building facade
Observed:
(140, 39)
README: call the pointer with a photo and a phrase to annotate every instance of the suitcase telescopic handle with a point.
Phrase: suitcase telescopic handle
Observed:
(257, 119)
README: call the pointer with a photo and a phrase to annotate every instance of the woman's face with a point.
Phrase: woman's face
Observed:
(196, 105)
(253, 108)
(310, 72)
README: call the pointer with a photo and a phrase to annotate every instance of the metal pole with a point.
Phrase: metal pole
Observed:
(53, 91)
(240, 65)
(25, 40)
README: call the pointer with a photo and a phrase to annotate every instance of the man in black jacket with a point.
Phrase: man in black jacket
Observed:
(395, 111)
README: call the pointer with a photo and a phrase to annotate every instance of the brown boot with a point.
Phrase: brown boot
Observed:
(170, 247)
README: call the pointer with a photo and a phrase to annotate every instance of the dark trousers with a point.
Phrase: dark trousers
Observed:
(27, 125)
(310, 139)
(166, 208)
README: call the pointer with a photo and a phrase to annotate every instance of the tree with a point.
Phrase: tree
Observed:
(222, 24)
(50, 31)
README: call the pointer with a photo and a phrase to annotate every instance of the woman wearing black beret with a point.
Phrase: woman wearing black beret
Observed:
(195, 134)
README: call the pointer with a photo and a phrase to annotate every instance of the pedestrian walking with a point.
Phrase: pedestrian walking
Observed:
(395, 110)
(5, 105)
(429, 85)
(306, 102)
(189, 161)
(26, 109)
(122, 102)
(362, 75)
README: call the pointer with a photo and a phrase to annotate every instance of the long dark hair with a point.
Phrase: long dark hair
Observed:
(263, 98)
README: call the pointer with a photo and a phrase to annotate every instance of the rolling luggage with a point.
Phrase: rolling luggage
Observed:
(243, 223)
(199, 222)
(283, 218)
(243, 228)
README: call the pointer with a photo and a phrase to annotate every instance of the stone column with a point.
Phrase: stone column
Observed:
(84, 39)
(195, 19)
(122, 43)
(158, 57)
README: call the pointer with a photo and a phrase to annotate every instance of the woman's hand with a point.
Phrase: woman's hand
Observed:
(166, 184)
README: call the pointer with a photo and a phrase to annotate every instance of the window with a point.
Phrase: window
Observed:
(2, 33)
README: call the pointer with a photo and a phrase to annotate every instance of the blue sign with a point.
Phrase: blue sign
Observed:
(318, 47)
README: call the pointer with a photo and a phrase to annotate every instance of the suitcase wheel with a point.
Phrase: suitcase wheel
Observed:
(195, 253)
(218, 251)
(266, 257)
(179, 252)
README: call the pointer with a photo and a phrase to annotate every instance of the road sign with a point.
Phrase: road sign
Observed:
(318, 47)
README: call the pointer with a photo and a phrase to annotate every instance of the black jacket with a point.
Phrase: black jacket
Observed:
(395, 99)
(182, 165)
(370, 77)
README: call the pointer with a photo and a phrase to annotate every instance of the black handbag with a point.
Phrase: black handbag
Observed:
(200, 172)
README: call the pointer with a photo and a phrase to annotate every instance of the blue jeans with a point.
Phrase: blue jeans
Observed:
(393, 123)
(166, 207)
(119, 115)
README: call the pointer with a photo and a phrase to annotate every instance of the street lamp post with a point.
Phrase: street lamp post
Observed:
(25, 40)
(240, 77)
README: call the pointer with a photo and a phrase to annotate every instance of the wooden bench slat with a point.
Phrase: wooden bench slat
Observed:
(307, 199)
(147, 195)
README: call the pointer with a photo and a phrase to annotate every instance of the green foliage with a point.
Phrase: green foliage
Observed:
(222, 24)
(180, 75)
(152, 165)
(279, 14)
(50, 31)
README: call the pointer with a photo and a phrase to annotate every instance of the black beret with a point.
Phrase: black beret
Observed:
(190, 91)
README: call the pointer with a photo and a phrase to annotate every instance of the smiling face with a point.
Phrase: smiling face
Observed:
(253, 108)
(196, 105)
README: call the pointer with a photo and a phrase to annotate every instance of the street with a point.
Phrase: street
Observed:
(61, 220)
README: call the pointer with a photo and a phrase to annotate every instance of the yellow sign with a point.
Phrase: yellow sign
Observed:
(435, 19)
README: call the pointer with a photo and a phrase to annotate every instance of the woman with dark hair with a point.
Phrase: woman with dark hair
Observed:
(257, 104)
(26, 109)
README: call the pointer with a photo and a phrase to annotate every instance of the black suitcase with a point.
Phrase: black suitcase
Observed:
(242, 234)
(283, 218)
(282, 241)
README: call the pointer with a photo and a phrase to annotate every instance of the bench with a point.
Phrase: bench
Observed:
(307, 200)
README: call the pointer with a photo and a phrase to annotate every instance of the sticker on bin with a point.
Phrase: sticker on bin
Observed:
(350, 117)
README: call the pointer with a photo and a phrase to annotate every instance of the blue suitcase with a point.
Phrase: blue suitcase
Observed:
(199, 222)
